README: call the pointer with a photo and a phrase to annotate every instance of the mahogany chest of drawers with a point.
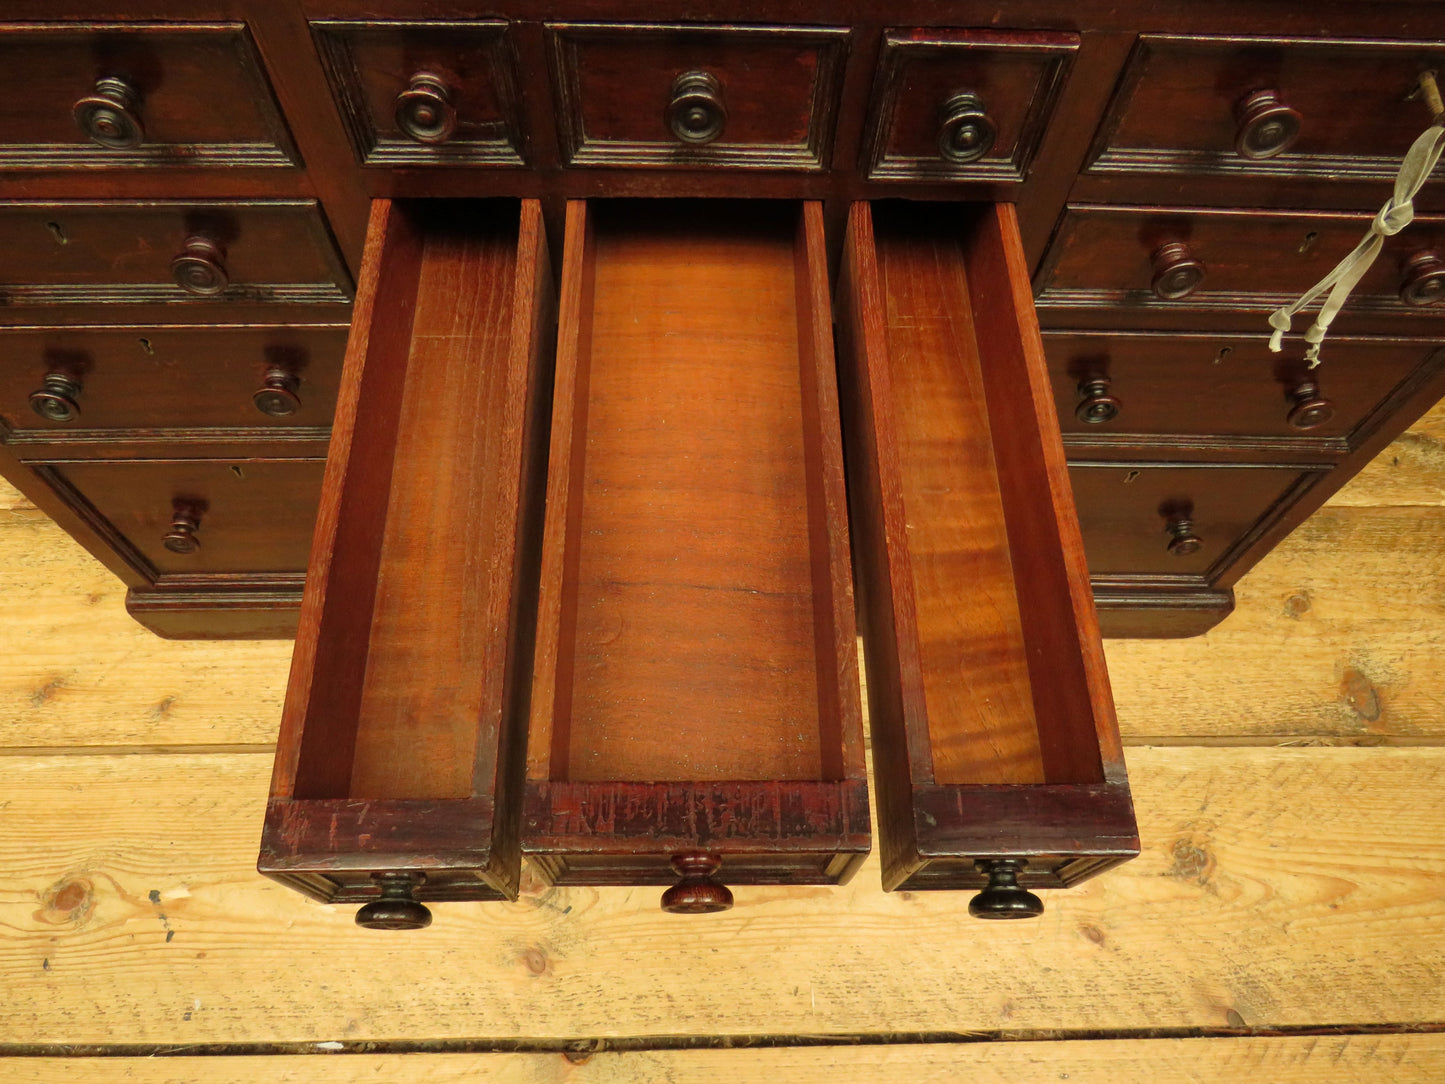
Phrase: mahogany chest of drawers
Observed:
(185, 192)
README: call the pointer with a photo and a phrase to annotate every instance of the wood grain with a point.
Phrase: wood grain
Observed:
(432, 664)
(1314, 1059)
(133, 914)
(981, 723)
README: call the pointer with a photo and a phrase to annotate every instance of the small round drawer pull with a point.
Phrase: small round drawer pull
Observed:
(1182, 539)
(696, 113)
(424, 110)
(1004, 897)
(200, 268)
(965, 130)
(110, 115)
(397, 908)
(277, 397)
(1177, 274)
(1424, 282)
(699, 892)
(181, 538)
(1266, 125)
(56, 398)
(1097, 406)
(1308, 408)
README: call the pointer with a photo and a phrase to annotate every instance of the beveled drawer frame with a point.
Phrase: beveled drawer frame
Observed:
(900, 47)
(346, 88)
(812, 154)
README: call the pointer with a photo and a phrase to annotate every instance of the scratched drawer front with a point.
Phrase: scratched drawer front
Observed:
(1331, 110)
(1224, 385)
(963, 104)
(189, 96)
(425, 94)
(127, 252)
(617, 90)
(1126, 512)
(1248, 263)
(134, 378)
(249, 516)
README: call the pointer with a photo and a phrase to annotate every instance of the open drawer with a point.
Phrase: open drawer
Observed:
(996, 752)
(400, 756)
(695, 713)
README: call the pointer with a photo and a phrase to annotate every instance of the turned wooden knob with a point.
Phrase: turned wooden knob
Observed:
(1004, 897)
(55, 399)
(1177, 274)
(276, 397)
(698, 893)
(200, 268)
(1182, 539)
(1097, 406)
(965, 130)
(424, 110)
(695, 113)
(181, 538)
(1424, 281)
(109, 115)
(1266, 125)
(1309, 409)
(397, 908)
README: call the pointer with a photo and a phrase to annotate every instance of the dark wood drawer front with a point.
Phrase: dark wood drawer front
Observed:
(1331, 110)
(64, 380)
(419, 94)
(1228, 385)
(1171, 518)
(244, 517)
(1192, 261)
(963, 104)
(142, 252)
(135, 95)
(688, 96)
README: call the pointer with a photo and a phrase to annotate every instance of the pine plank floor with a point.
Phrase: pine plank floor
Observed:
(1288, 770)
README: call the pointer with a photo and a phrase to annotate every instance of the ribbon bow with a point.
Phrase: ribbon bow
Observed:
(1397, 213)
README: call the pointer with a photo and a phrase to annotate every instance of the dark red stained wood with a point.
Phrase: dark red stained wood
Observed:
(986, 671)
(248, 608)
(1128, 505)
(696, 627)
(370, 64)
(409, 682)
(202, 96)
(779, 87)
(1223, 384)
(1165, 144)
(1176, 107)
(1016, 76)
(104, 253)
(1254, 262)
(145, 379)
(254, 516)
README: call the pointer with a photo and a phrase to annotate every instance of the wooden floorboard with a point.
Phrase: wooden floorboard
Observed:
(1278, 888)
(1343, 1059)
(1288, 769)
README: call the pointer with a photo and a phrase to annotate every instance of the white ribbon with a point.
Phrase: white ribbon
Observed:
(1398, 213)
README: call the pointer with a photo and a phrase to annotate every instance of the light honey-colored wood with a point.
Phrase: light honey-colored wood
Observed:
(1277, 887)
(1296, 886)
(1324, 1059)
